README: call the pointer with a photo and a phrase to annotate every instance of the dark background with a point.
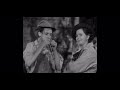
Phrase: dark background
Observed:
(12, 49)
(108, 43)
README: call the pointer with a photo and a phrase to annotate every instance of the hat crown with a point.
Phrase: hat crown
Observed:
(44, 23)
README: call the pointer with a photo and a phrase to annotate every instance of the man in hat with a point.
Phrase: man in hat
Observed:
(41, 56)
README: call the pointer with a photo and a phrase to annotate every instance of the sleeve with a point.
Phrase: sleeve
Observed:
(27, 54)
(56, 61)
(82, 64)
(59, 62)
(92, 68)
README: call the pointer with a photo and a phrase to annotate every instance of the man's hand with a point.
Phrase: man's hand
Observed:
(54, 44)
(43, 42)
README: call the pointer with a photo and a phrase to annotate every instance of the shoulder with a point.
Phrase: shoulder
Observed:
(29, 45)
(90, 51)
(89, 54)
(28, 48)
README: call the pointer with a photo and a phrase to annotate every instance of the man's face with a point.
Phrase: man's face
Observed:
(81, 37)
(47, 34)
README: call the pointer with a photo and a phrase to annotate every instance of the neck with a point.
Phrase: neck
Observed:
(79, 48)
(84, 45)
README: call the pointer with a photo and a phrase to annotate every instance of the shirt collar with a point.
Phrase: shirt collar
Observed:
(89, 45)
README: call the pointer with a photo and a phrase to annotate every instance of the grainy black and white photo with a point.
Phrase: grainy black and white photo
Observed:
(60, 44)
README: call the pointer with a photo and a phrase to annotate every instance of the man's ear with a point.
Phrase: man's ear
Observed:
(39, 34)
(88, 37)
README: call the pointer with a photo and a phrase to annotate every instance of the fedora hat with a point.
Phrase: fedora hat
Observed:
(44, 24)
